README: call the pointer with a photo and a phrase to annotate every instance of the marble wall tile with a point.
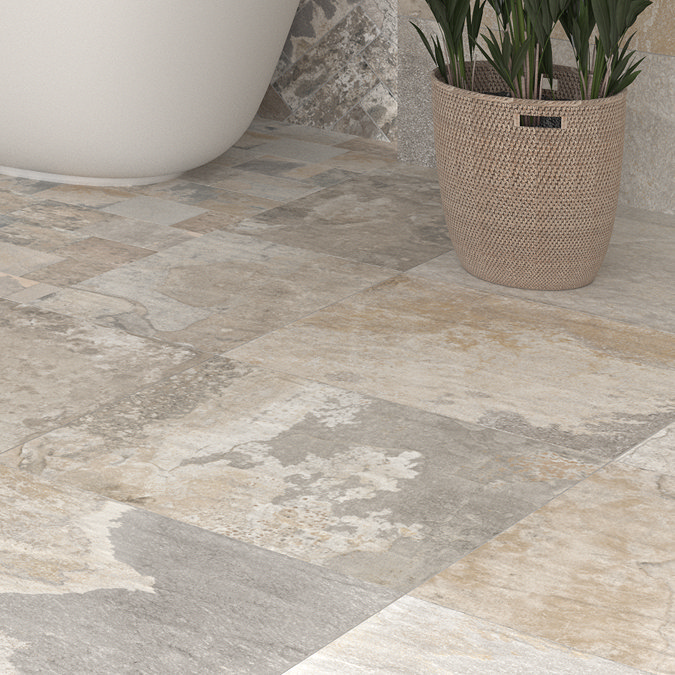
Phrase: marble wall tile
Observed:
(566, 377)
(654, 29)
(338, 53)
(88, 585)
(593, 570)
(55, 367)
(648, 177)
(371, 489)
(412, 636)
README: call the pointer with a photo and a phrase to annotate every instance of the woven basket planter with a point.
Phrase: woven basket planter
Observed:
(528, 206)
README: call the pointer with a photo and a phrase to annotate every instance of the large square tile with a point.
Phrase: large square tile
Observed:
(593, 570)
(533, 369)
(382, 218)
(89, 585)
(221, 289)
(369, 488)
(55, 367)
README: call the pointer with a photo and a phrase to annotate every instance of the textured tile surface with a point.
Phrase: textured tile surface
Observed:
(376, 490)
(338, 68)
(655, 454)
(154, 210)
(54, 367)
(497, 361)
(593, 570)
(324, 461)
(355, 220)
(412, 636)
(221, 289)
(93, 586)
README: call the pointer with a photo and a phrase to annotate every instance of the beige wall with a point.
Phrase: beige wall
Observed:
(649, 161)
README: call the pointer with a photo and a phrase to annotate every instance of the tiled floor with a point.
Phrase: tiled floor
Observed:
(258, 419)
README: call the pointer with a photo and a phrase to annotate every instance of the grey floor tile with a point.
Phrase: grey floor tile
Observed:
(656, 454)
(381, 219)
(299, 149)
(636, 282)
(368, 488)
(53, 367)
(536, 370)
(412, 636)
(91, 586)
(18, 260)
(222, 289)
(153, 210)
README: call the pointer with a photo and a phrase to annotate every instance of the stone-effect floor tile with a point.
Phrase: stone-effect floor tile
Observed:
(103, 251)
(80, 195)
(93, 586)
(636, 282)
(276, 188)
(371, 489)
(222, 289)
(54, 367)
(380, 219)
(32, 236)
(87, 258)
(136, 233)
(11, 285)
(308, 134)
(657, 453)
(302, 150)
(10, 201)
(19, 260)
(593, 570)
(153, 210)
(493, 360)
(412, 636)
(213, 220)
(50, 213)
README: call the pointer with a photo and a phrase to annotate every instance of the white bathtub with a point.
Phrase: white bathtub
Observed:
(124, 92)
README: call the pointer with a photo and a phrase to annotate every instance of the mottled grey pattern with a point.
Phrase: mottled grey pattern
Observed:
(332, 433)
(380, 219)
(216, 606)
(379, 491)
(338, 68)
(54, 367)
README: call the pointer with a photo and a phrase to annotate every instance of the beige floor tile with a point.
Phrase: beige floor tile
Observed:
(536, 370)
(655, 454)
(593, 570)
(411, 637)
(55, 367)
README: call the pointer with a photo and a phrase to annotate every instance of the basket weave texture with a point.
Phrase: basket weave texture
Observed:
(528, 206)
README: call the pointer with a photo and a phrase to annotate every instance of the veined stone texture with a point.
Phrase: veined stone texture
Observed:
(338, 69)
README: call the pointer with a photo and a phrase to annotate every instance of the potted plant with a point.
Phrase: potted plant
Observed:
(528, 152)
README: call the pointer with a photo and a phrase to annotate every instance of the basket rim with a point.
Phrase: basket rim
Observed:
(511, 101)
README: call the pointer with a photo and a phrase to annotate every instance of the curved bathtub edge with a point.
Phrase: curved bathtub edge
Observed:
(88, 181)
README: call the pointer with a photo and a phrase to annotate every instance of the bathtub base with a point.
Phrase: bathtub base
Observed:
(85, 180)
